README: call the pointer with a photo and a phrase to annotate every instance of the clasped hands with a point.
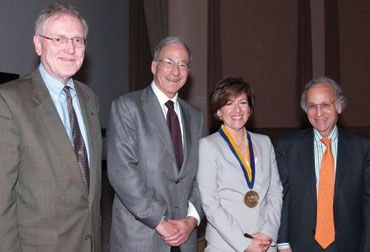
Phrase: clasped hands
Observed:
(260, 243)
(176, 232)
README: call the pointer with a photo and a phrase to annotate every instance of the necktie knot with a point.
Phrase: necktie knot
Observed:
(170, 105)
(66, 89)
(326, 141)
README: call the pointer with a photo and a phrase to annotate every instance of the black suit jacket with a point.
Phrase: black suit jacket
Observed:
(295, 158)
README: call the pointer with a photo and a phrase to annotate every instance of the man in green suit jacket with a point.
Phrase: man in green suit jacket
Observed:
(48, 202)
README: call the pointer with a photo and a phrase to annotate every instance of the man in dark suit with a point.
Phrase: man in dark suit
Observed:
(50, 146)
(325, 172)
(152, 163)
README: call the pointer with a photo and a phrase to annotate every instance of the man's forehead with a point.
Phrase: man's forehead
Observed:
(63, 21)
(175, 49)
(321, 89)
(62, 16)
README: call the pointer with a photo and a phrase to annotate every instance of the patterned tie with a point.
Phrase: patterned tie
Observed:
(174, 126)
(325, 233)
(78, 141)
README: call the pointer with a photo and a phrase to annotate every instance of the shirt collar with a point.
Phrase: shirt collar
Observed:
(162, 98)
(333, 135)
(54, 86)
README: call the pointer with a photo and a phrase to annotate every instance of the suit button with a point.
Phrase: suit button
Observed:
(313, 231)
(88, 237)
(178, 181)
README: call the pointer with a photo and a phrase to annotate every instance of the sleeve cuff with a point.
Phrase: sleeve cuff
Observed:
(193, 213)
(284, 245)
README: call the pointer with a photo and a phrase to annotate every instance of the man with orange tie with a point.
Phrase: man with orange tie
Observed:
(325, 173)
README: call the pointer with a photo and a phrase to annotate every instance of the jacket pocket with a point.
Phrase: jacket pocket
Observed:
(37, 236)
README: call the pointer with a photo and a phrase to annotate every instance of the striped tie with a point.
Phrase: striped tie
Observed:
(78, 141)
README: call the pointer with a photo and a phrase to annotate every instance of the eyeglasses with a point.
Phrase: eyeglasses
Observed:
(169, 63)
(324, 106)
(78, 42)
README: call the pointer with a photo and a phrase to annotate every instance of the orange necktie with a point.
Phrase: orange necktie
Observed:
(325, 233)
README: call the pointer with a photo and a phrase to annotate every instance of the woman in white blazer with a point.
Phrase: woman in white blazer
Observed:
(238, 179)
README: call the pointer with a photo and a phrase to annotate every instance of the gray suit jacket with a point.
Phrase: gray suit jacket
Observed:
(222, 187)
(43, 203)
(143, 172)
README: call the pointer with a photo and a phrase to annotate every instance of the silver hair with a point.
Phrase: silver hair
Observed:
(341, 100)
(58, 8)
(169, 41)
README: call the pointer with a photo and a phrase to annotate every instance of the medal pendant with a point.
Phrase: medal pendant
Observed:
(251, 199)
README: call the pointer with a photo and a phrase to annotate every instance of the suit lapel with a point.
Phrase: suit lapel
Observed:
(257, 152)
(308, 162)
(54, 128)
(343, 160)
(88, 115)
(186, 127)
(154, 115)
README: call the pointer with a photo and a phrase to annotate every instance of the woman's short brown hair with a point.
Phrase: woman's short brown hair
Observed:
(226, 89)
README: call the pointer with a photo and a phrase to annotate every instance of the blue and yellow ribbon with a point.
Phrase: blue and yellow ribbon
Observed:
(248, 170)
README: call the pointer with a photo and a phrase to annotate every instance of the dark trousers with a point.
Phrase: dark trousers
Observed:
(317, 248)
(175, 249)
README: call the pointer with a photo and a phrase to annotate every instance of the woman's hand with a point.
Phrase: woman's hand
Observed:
(261, 242)
(258, 245)
(261, 236)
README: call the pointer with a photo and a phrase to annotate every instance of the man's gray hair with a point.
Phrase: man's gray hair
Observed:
(341, 100)
(169, 41)
(58, 8)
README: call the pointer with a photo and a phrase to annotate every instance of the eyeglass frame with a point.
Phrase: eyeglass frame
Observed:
(54, 39)
(324, 106)
(171, 64)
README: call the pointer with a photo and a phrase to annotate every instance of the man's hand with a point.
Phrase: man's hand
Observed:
(285, 250)
(165, 229)
(185, 227)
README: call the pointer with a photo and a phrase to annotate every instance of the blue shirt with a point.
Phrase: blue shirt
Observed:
(58, 96)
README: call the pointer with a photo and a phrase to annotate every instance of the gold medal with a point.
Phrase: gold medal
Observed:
(251, 199)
